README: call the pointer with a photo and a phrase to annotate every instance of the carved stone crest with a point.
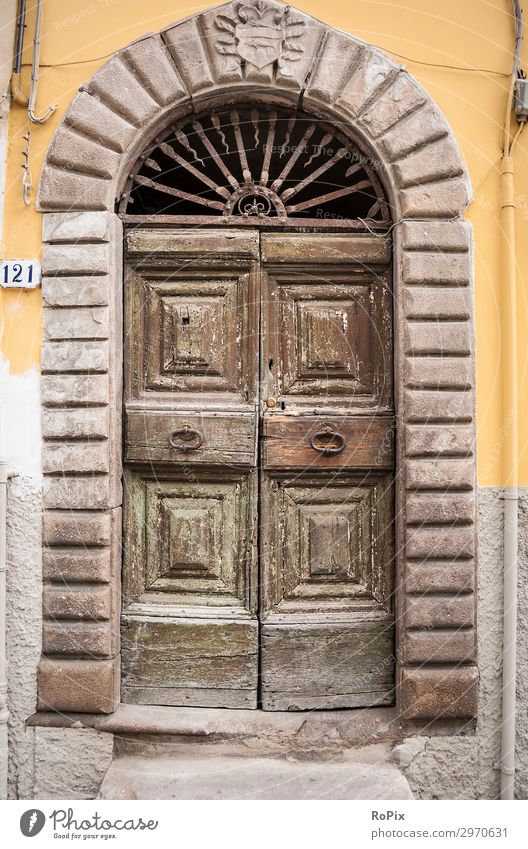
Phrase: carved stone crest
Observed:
(260, 34)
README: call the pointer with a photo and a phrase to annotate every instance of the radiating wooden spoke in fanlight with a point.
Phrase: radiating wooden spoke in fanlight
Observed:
(255, 164)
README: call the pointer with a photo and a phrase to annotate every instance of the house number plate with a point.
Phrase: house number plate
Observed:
(19, 273)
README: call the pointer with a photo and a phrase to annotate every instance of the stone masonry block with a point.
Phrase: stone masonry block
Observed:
(77, 565)
(68, 190)
(445, 198)
(366, 81)
(77, 227)
(440, 474)
(81, 423)
(186, 47)
(79, 602)
(425, 405)
(421, 267)
(73, 389)
(76, 528)
(444, 693)
(427, 612)
(443, 646)
(76, 323)
(87, 686)
(436, 337)
(435, 440)
(340, 56)
(82, 639)
(75, 356)
(76, 258)
(449, 541)
(80, 457)
(437, 302)
(439, 576)
(425, 125)
(428, 236)
(438, 160)
(438, 372)
(75, 291)
(440, 507)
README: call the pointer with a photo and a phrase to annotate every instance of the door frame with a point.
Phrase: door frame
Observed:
(140, 90)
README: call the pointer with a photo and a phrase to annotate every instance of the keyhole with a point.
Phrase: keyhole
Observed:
(186, 319)
(270, 365)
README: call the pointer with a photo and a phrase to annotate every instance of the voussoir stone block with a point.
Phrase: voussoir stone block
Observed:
(187, 49)
(89, 115)
(75, 258)
(400, 98)
(66, 190)
(439, 236)
(367, 79)
(151, 63)
(425, 125)
(442, 693)
(120, 89)
(68, 150)
(85, 686)
(437, 160)
(340, 56)
(445, 198)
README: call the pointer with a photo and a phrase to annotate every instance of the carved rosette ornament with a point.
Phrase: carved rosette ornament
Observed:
(261, 35)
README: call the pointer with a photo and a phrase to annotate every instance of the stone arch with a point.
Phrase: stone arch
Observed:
(189, 66)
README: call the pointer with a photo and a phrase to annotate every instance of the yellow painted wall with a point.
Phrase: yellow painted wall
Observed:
(475, 37)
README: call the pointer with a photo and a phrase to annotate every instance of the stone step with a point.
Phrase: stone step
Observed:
(220, 776)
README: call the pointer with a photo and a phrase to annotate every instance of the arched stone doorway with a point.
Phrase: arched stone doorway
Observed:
(189, 68)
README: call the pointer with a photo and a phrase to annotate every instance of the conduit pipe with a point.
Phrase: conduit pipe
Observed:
(16, 79)
(4, 715)
(511, 447)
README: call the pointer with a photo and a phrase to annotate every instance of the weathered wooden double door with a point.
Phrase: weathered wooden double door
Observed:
(258, 470)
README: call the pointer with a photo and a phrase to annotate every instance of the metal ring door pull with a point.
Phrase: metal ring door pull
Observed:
(328, 441)
(186, 439)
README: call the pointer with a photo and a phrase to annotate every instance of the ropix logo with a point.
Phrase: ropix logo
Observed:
(32, 822)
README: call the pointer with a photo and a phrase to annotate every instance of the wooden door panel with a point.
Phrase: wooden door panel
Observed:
(190, 629)
(326, 488)
(307, 442)
(198, 663)
(192, 438)
(325, 666)
(327, 544)
(189, 540)
(192, 321)
(326, 325)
